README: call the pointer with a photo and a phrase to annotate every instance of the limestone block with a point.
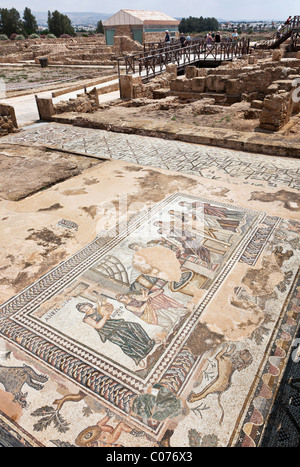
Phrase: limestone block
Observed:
(276, 110)
(126, 85)
(255, 104)
(178, 84)
(45, 108)
(233, 86)
(9, 111)
(198, 84)
(286, 84)
(272, 88)
(216, 83)
(252, 60)
(190, 72)
(172, 69)
(6, 125)
(277, 55)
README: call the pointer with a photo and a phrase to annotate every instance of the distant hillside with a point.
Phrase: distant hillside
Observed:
(77, 18)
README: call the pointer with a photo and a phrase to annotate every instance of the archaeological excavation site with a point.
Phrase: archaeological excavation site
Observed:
(149, 242)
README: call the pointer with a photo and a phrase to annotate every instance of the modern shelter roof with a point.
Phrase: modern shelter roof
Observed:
(132, 17)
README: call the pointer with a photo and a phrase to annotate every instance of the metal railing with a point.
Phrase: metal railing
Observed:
(154, 62)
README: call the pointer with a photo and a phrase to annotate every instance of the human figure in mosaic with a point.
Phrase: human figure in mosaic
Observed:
(154, 307)
(102, 434)
(129, 336)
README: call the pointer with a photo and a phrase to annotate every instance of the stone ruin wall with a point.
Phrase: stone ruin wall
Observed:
(265, 80)
(84, 103)
(124, 45)
(73, 51)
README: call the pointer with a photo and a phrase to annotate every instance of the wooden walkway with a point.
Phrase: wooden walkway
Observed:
(150, 63)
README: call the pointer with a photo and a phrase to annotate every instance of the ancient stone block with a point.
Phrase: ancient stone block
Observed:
(178, 84)
(277, 55)
(9, 111)
(198, 84)
(190, 72)
(276, 110)
(45, 108)
(255, 104)
(233, 86)
(126, 85)
(172, 69)
(216, 83)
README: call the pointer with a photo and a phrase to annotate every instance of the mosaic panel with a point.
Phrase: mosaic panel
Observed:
(139, 284)
(183, 314)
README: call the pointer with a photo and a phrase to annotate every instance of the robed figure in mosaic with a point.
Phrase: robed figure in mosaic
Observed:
(129, 336)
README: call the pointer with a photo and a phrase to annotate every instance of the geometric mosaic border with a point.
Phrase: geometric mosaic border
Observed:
(260, 405)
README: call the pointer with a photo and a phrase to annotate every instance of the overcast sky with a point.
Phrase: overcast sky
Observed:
(228, 9)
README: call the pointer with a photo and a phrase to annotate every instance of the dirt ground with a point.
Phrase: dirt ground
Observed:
(26, 79)
(24, 172)
(204, 113)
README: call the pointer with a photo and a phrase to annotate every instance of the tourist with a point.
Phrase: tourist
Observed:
(209, 40)
(188, 40)
(279, 30)
(288, 20)
(218, 37)
(235, 35)
(182, 40)
(167, 37)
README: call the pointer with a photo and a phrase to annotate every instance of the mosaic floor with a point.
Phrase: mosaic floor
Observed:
(208, 162)
(173, 329)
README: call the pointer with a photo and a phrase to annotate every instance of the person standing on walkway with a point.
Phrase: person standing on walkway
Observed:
(182, 40)
(209, 40)
(278, 34)
(288, 20)
(218, 37)
(167, 38)
(235, 35)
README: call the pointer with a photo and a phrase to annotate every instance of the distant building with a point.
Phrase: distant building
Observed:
(140, 25)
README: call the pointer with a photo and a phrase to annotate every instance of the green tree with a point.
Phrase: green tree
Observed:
(10, 22)
(99, 28)
(29, 21)
(193, 24)
(59, 24)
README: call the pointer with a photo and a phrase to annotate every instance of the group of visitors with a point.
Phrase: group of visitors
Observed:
(184, 40)
(210, 38)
